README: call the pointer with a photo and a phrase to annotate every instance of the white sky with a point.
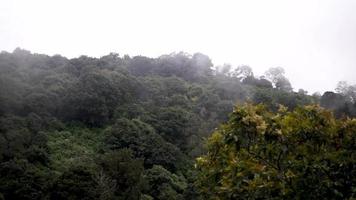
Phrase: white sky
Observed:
(314, 40)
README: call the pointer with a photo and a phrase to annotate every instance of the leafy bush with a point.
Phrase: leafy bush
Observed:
(301, 154)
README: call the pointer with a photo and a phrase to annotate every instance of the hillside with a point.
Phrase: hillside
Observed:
(121, 127)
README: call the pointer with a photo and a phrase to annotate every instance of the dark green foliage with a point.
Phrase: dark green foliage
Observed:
(106, 90)
(71, 146)
(21, 138)
(273, 98)
(173, 124)
(125, 173)
(23, 158)
(125, 128)
(341, 104)
(20, 179)
(261, 83)
(145, 143)
(141, 66)
(163, 184)
(76, 183)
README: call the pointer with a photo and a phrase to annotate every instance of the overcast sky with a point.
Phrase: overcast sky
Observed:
(313, 40)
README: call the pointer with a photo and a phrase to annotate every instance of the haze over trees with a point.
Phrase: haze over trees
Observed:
(121, 127)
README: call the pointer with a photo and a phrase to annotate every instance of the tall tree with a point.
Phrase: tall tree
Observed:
(276, 76)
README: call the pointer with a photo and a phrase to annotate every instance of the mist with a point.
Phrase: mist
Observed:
(181, 100)
(314, 41)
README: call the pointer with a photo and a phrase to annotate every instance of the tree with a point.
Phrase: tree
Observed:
(94, 128)
(172, 124)
(261, 83)
(145, 143)
(76, 183)
(141, 66)
(283, 84)
(302, 154)
(242, 72)
(164, 184)
(100, 88)
(276, 76)
(125, 173)
(335, 102)
(224, 69)
(349, 91)
(20, 179)
(274, 73)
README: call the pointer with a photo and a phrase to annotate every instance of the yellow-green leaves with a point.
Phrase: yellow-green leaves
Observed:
(300, 154)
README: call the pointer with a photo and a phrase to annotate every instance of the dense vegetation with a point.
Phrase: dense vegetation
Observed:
(130, 128)
(302, 154)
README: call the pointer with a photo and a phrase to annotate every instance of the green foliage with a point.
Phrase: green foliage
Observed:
(113, 127)
(302, 154)
(341, 104)
(106, 90)
(171, 123)
(20, 179)
(145, 143)
(113, 175)
(73, 145)
(164, 184)
(20, 138)
(273, 98)
(75, 183)
(125, 173)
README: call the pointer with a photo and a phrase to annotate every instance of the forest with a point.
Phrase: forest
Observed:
(172, 127)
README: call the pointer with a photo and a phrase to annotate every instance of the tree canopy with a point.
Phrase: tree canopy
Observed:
(301, 154)
(121, 127)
